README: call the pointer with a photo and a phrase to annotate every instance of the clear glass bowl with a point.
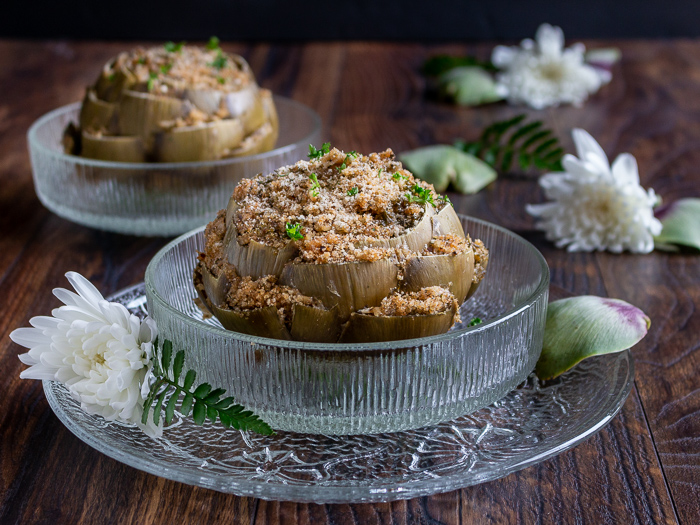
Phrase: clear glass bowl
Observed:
(341, 389)
(153, 198)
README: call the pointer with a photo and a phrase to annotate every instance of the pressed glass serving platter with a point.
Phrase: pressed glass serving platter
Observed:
(535, 421)
(153, 198)
(373, 387)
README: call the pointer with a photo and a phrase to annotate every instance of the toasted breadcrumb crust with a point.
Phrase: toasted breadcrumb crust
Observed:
(481, 259)
(172, 72)
(426, 301)
(446, 245)
(247, 294)
(337, 222)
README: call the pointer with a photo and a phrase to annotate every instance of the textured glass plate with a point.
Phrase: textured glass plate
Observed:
(153, 198)
(532, 423)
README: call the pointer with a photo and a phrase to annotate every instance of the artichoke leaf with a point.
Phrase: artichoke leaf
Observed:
(363, 328)
(447, 222)
(442, 165)
(350, 286)
(681, 224)
(260, 322)
(214, 288)
(469, 86)
(584, 326)
(195, 143)
(141, 113)
(97, 114)
(207, 100)
(262, 139)
(113, 81)
(118, 149)
(454, 272)
(316, 325)
(416, 238)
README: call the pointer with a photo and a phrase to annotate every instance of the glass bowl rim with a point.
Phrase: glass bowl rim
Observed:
(523, 305)
(36, 144)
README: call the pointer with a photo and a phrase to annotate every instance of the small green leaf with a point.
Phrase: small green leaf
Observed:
(469, 86)
(580, 327)
(189, 380)
(524, 161)
(177, 365)
(158, 406)
(202, 391)
(212, 414)
(539, 150)
(224, 403)
(213, 44)
(214, 395)
(441, 165)
(170, 408)
(681, 224)
(150, 399)
(166, 354)
(199, 413)
(525, 130)
(186, 406)
(535, 138)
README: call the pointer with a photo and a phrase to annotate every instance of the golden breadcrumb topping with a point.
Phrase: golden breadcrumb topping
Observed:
(446, 245)
(247, 294)
(341, 202)
(426, 301)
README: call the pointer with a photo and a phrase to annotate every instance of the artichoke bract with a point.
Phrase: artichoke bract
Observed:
(174, 103)
(343, 248)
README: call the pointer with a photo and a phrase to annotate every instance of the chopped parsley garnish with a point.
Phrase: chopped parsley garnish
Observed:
(398, 176)
(379, 173)
(475, 321)
(318, 153)
(152, 76)
(213, 44)
(220, 61)
(353, 191)
(315, 186)
(351, 155)
(221, 80)
(446, 200)
(112, 77)
(165, 68)
(141, 60)
(172, 47)
(294, 231)
(420, 195)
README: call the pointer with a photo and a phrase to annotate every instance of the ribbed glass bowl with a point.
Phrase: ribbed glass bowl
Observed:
(365, 388)
(153, 198)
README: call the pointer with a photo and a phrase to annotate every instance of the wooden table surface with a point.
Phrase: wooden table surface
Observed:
(642, 468)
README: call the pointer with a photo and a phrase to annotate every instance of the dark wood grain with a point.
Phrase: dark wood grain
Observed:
(643, 468)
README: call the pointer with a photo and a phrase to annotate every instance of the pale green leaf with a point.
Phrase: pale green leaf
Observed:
(469, 86)
(441, 165)
(681, 224)
(580, 327)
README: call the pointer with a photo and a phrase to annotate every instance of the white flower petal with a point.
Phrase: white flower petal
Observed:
(625, 170)
(587, 147)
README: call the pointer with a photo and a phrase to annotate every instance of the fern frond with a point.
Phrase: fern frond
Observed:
(511, 141)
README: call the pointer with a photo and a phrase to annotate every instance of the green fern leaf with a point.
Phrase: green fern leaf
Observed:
(189, 379)
(186, 406)
(166, 355)
(177, 365)
(199, 413)
(170, 408)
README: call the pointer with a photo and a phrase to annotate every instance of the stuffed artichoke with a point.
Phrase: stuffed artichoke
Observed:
(174, 103)
(341, 248)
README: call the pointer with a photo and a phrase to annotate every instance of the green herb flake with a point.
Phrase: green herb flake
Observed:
(112, 77)
(420, 195)
(141, 60)
(350, 156)
(294, 231)
(221, 80)
(353, 191)
(475, 321)
(165, 68)
(315, 186)
(220, 61)
(318, 153)
(379, 173)
(213, 44)
(172, 47)
(397, 176)
(152, 76)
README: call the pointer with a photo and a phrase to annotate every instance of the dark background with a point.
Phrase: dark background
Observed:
(275, 20)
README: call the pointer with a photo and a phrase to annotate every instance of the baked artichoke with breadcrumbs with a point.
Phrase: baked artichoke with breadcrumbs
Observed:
(341, 248)
(174, 103)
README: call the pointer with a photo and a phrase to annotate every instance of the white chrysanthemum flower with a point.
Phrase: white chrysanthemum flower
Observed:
(100, 351)
(597, 207)
(541, 73)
